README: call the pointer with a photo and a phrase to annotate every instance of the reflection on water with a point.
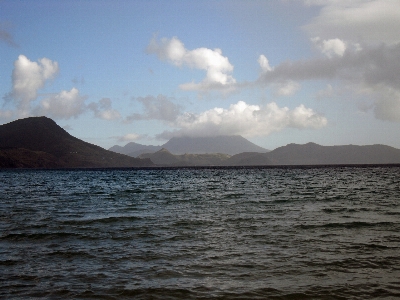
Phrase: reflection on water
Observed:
(209, 233)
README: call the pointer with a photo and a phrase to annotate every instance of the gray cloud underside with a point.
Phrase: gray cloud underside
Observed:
(372, 71)
(378, 65)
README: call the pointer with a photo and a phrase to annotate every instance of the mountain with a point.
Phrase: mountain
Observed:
(134, 149)
(219, 144)
(314, 154)
(194, 145)
(39, 142)
(165, 158)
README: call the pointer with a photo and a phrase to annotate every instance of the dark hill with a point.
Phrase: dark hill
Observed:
(314, 154)
(40, 142)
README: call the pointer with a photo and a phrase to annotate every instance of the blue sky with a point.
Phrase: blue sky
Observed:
(275, 72)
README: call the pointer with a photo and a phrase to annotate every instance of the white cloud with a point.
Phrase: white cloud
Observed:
(103, 110)
(217, 66)
(130, 137)
(156, 108)
(373, 21)
(28, 77)
(264, 63)
(287, 88)
(244, 119)
(335, 47)
(64, 105)
(330, 47)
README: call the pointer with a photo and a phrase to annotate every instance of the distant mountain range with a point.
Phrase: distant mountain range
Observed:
(165, 158)
(134, 149)
(314, 154)
(292, 154)
(231, 145)
(38, 142)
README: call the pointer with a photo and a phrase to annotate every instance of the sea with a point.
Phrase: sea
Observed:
(326, 232)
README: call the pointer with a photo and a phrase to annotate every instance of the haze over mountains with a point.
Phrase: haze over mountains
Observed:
(38, 142)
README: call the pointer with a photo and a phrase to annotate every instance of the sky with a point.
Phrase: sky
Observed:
(275, 72)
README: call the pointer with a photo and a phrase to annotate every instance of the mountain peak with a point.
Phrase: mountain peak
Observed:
(228, 144)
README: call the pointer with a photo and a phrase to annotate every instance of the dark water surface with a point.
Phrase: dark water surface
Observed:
(296, 233)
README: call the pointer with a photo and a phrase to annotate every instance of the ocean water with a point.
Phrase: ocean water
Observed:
(256, 233)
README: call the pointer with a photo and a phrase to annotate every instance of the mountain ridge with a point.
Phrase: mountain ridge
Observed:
(314, 154)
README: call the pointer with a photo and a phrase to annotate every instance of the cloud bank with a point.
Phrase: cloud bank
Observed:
(372, 70)
(373, 21)
(244, 119)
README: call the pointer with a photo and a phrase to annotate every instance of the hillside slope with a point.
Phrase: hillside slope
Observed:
(23, 140)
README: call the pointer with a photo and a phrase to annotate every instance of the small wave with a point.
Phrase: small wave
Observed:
(36, 236)
(347, 225)
(102, 220)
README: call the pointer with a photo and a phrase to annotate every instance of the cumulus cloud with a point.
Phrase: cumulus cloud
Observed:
(103, 109)
(217, 66)
(28, 77)
(245, 119)
(156, 108)
(373, 21)
(64, 105)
